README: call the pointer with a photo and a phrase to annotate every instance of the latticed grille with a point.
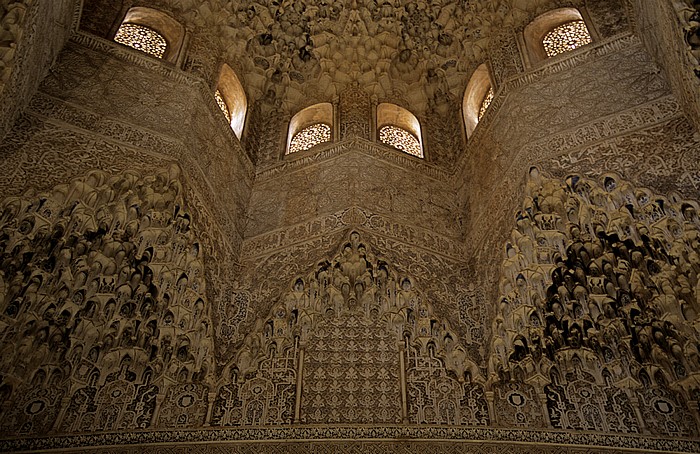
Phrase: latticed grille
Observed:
(309, 137)
(566, 37)
(142, 38)
(400, 139)
(486, 103)
(222, 104)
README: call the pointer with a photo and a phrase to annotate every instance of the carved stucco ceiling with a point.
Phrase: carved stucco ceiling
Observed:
(418, 52)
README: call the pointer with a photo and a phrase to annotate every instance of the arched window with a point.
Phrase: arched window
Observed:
(152, 32)
(399, 128)
(310, 127)
(555, 32)
(231, 99)
(477, 98)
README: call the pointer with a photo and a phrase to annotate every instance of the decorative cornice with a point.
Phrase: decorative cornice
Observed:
(134, 57)
(158, 441)
(326, 152)
(353, 217)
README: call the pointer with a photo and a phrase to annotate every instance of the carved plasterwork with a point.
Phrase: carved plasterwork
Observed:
(31, 35)
(103, 302)
(598, 300)
(353, 341)
(287, 342)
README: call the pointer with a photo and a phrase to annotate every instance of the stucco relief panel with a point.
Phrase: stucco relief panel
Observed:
(599, 87)
(354, 179)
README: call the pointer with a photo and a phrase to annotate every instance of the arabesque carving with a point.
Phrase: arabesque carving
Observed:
(352, 342)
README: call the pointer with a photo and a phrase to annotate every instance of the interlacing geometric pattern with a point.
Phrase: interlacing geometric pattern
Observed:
(401, 139)
(566, 37)
(142, 38)
(486, 103)
(310, 137)
(222, 104)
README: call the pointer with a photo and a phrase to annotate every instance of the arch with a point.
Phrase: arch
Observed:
(310, 127)
(563, 29)
(400, 129)
(231, 98)
(164, 34)
(477, 97)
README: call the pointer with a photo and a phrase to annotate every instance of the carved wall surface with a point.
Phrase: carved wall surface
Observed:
(599, 304)
(352, 342)
(165, 287)
(642, 134)
(355, 177)
(103, 304)
(669, 30)
(31, 35)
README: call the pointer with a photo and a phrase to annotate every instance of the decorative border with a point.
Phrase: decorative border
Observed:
(377, 223)
(340, 433)
(357, 144)
(51, 110)
(133, 56)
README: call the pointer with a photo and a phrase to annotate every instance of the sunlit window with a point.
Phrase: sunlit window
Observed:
(486, 103)
(310, 137)
(142, 38)
(400, 139)
(222, 104)
(566, 37)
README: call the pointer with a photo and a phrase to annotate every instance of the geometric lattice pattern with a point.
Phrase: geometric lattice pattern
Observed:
(486, 103)
(566, 37)
(142, 38)
(401, 139)
(310, 137)
(222, 104)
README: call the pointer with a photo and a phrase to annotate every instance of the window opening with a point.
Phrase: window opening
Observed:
(401, 140)
(310, 137)
(486, 103)
(566, 37)
(142, 38)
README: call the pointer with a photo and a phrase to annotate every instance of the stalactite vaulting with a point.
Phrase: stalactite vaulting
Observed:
(319, 226)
